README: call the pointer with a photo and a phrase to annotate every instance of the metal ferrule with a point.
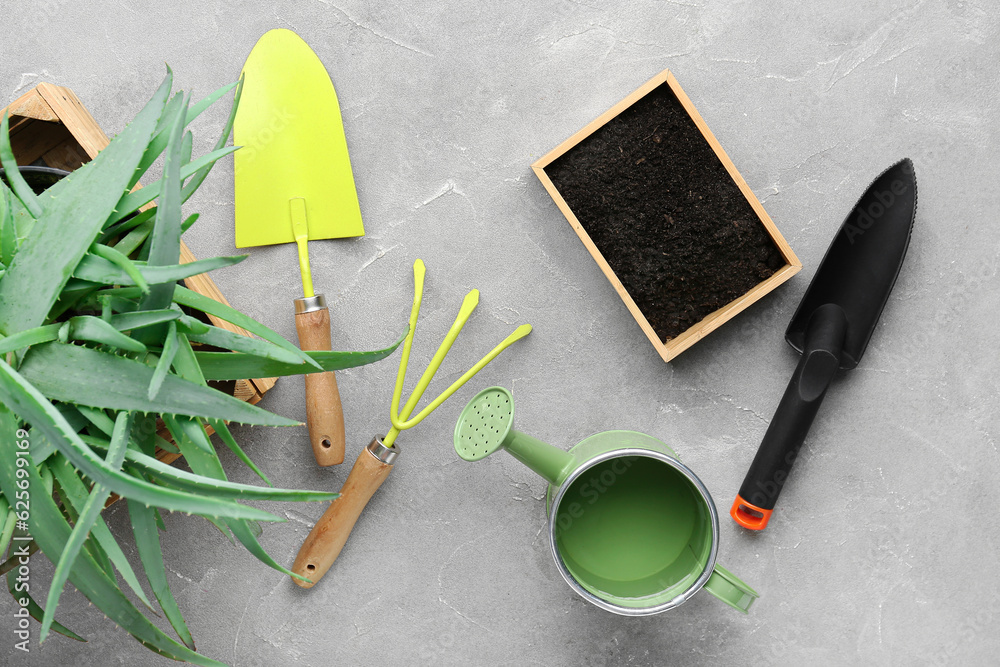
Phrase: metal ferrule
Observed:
(308, 304)
(386, 455)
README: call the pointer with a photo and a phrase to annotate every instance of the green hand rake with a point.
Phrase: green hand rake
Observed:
(328, 536)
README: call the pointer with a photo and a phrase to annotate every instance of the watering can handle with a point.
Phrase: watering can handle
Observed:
(324, 413)
(330, 533)
(729, 588)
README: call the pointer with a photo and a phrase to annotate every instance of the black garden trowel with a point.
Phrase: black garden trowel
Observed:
(832, 326)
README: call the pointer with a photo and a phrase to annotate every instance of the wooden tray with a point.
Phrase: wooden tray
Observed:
(49, 126)
(668, 349)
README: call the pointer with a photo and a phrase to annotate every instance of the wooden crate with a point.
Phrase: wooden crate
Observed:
(668, 349)
(49, 126)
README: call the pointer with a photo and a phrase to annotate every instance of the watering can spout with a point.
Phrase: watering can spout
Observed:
(485, 426)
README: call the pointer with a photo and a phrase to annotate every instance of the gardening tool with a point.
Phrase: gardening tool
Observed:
(831, 328)
(294, 183)
(632, 529)
(375, 462)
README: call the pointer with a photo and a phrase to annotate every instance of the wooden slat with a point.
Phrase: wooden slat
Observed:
(28, 107)
(35, 138)
(670, 349)
(71, 112)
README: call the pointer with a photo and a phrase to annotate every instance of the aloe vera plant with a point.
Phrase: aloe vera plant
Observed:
(99, 346)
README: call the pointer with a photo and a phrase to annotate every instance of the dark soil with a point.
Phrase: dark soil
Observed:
(666, 215)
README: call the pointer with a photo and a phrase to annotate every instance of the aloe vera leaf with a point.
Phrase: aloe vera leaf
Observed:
(190, 325)
(20, 187)
(90, 519)
(136, 199)
(99, 270)
(27, 549)
(88, 327)
(71, 221)
(8, 231)
(161, 134)
(209, 465)
(98, 418)
(192, 299)
(163, 363)
(190, 220)
(73, 417)
(127, 225)
(165, 240)
(7, 531)
(187, 147)
(135, 238)
(71, 493)
(42, 334)
(74, 293)
(190, 430)
(240, 343)
(238, 365)
(220, 144)
(51, 531)
(84, 376)
(223, 432)
(40, 449)
(208, 486)
(117, 258)
(147, 542)
(20, 396)
(159, 142)
(76, 495)
(243, 533)
(143, 318)
(35, 610)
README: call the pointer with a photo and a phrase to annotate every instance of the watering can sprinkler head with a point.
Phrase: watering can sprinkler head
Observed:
(400, 418)
(485, 424)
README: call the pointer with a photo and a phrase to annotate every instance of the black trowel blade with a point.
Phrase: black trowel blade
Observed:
(861, 265)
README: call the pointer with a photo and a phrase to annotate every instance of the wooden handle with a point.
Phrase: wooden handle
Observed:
(324, 413)
(328, 536)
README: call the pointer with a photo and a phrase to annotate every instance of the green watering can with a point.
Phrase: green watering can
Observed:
(631, 528)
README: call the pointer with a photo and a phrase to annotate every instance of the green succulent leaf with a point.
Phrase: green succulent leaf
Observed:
(31, 405)
(34, 609)
(70, 223)
(120, 260)
(191, 299)
(88, 327)
(99, 270)
(239, 343)
(8, 231)
(147, 542)
(90, 518)
(135, 200)
(51, 531)
(42, 334)
(175, 477)
(238, 365)
(14, 177)
(84, 376)
(144, 318)
(163, 363)
(159, 142)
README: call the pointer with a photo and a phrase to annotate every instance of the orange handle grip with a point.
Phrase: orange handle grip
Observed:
(324, 412)
(328, 536)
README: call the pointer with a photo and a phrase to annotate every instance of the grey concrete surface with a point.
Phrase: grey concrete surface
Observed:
(883, 548)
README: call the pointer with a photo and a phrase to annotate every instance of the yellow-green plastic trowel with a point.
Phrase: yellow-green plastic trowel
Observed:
(294, 183)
